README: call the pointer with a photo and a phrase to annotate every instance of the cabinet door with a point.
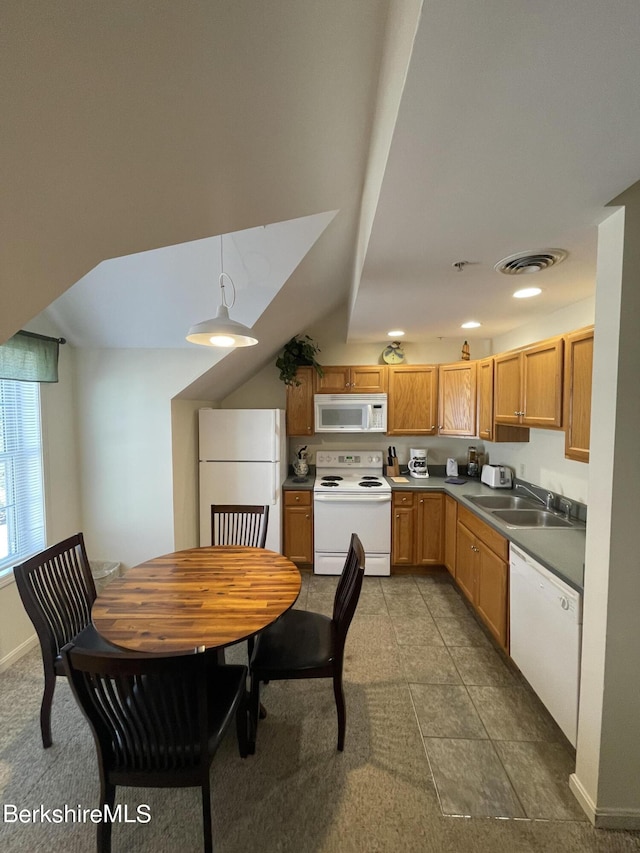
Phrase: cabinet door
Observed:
(430, 529)
(298, 533)
(466, 561)
(457, 398)
(491, 594)
(299, 412)
(402, 536)
(485, 399)
(542, 384)
(578, 359)
(450, 523)
(368, 379)
(335, 380)
(507, 397)
(412, 400)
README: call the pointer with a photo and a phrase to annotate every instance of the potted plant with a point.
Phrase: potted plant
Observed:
(298, 352)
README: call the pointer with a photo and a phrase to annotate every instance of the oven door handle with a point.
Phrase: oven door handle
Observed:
(353, 499)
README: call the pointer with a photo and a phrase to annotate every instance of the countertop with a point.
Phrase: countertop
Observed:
(560, 550)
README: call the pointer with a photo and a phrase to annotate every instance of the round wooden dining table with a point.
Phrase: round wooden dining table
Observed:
(201, 598)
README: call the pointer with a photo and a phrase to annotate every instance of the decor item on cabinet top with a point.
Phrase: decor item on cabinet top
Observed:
(393, 354)
(465, 355)
(298, 352)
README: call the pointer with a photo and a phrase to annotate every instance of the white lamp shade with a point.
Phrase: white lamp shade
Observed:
(222, 332)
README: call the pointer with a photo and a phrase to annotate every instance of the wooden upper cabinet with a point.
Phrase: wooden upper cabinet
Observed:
(457, 398)
(412, 400)
(299, 411)
(365, 379)
(507, 388)
(542, 367)
(578, 365)
(528, 385)
(485, 399)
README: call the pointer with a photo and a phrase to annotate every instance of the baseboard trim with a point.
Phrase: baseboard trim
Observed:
(17, 653)
(603, 818)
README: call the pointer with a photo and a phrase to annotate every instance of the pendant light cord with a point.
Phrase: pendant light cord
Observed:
(221, 278)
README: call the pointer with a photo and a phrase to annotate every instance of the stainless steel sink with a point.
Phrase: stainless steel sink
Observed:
(493, 502)
(530, 518)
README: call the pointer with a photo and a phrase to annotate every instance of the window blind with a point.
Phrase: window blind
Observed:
(21, 483)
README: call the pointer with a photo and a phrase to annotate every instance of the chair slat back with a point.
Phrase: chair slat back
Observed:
(57, 590)
(148, 713)
(349, 586)
(236, 524)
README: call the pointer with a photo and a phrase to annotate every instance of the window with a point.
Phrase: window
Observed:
(21, 490)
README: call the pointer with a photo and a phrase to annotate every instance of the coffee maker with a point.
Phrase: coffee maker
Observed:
(418, 463)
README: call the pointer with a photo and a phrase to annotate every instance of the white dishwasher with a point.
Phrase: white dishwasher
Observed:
(546, 634)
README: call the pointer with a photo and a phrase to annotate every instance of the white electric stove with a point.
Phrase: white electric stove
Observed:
(351, 495)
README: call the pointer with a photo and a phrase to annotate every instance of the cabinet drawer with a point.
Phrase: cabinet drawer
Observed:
(491, 538)
(403, 498)
(300, 498)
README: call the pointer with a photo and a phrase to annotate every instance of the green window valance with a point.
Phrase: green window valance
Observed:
(28, 357)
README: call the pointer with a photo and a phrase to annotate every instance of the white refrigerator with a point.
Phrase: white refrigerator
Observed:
(242, 455)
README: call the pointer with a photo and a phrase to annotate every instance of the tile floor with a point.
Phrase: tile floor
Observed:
(493, 749)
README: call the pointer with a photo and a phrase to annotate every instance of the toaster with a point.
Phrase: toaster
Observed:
(497, 476)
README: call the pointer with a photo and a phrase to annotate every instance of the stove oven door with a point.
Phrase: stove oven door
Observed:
(336, 517)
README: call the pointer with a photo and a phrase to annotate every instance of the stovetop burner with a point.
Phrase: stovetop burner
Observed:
(370, 483)
(330, 484)
(369, 478)
(332, 477)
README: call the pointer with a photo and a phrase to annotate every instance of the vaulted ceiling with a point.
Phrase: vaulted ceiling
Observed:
(130, 127)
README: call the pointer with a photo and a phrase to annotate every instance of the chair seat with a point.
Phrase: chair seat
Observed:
(298, 642)
(89, 639)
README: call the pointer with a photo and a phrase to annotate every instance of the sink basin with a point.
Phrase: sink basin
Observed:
(501, 502)
(530, 518)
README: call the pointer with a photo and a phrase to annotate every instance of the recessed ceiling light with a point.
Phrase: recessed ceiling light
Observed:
(526, 292)
(397, 333)
(472, 324)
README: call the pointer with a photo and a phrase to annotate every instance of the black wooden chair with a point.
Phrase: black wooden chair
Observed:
(57, 590)
(303, 644)
(156, 721)
(238, 524)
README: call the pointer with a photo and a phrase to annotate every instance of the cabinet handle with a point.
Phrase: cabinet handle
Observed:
(397, 516)
(346, 384)
(421, 500)
(297, 498)
(433, 426)
(307, 516)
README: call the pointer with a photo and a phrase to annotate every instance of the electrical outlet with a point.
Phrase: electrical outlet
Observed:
(523, 471)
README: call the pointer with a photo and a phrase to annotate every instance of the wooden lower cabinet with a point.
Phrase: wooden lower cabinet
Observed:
(482, 572)
(450, 530)
(298, 526)
(417, 528)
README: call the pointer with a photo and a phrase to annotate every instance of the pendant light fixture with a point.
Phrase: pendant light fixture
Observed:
(222, 331)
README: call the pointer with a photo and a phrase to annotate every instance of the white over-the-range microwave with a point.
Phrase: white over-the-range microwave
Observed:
(351, 412)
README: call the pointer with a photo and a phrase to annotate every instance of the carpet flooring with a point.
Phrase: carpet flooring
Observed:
(446, 751)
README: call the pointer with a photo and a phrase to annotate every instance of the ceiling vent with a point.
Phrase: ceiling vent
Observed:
(530, 262)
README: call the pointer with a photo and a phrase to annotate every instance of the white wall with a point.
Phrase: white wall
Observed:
(606, 780)
(126, 455)
(61, 488)
(184, 431)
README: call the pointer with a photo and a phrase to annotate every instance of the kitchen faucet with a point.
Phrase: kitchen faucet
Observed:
(548, 503)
